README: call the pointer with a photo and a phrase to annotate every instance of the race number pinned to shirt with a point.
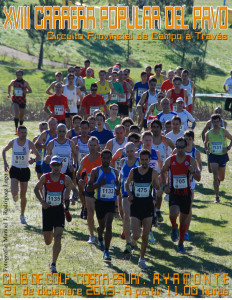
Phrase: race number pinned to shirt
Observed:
(93, 108)
(106, 97)
(53, 198)
(81, 155)
(65, 160)
(59, 110)
(122, 99)
(216, 147)
(107, 191)
(140, 92)
(20, 158)
(142, 190)
(180, 182)
(18, 92)
(114, 97)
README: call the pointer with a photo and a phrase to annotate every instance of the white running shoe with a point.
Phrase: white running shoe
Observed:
(91, 239)
(142, 264)
(23, 220)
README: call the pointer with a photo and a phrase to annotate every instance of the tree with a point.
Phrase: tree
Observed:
(40, 35)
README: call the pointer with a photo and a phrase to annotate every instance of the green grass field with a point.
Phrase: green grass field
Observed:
(208, 251)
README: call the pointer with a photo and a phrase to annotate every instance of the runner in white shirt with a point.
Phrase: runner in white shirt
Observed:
(176, 132)
(228, 89)
(190, 87)
(184, 115)
(166, 114)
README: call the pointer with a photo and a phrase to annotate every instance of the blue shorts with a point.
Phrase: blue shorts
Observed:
(219, 159)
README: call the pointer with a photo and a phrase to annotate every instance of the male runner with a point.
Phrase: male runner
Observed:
(148, 71)
(75, 131)
(176, 132)
(168, 84)
(85, 68)
(142, 203)
(59, 78)
(104, 181)
(53, 185)
(159, 77)
(190, 87)
(140, 87)
(19, 171)
(114, 119)
(127, 122)
(176, 92)
(119, 141)
(216, 148)
(104, 86)
(118, 91)
(228, 89)
(20, 88)
(166, 114)
(124, 102)
(184, 115)
(181, 168)
(88, 80)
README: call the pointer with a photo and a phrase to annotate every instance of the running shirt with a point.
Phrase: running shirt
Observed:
(65, 153)
(106, 192)
(83, 149)
(142, 186)
(162, 148)
(166, 117)
(188, 88)
(90, 165)
(140, 89)
(113, 124)
(92, 103)
(123, 101)
(53, 191)
(166, 85)
(150, 100)
(173, 137)
(72, 98)
(73, 133)
(174, 97)
(45, 167)
(185, 117)
(160, 80)
(88, 82)
(119, 89)
(103, 136)
(104, 90)
(125, 170)
(153, 160)
(179, 176)
(217, 142)
(115, 147)
(20, 154)
(57, 105)
(19, 92)
(228, 83)
(193, 155)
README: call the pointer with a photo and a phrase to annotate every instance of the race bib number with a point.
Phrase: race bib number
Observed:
(107, 191)
(216, 147)
(230, 87)
(106, 97)
(20, 158)
(59, 110)
(180, 182)
(122, 99)
(70, 102)
(140, 92)
(53, 198)
(142, 190)
(65, 160)
(93, 108)
(114, 97)
(18, 92)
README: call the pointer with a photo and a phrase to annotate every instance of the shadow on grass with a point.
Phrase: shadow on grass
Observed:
(33, 229)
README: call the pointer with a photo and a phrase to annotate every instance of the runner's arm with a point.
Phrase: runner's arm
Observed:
(193, 170)
(206, 128)
(39, 144)
(80, 95)
(93, 176)
(198, 160)
(127, 185)
(34, 151)
(109, 145)
(51, 86)
(170, 143)
(37, 190)
(206, 142)
(9, 87)
(8, 147)
(47, 158)
(164, 170)
(69, 184)
(28, 88)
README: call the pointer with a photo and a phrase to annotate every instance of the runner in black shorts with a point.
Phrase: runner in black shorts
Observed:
(55, 186)
(142, 206)
(181, 168)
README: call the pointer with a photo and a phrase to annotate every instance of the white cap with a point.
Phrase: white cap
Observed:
(56, 159)
(180, 99)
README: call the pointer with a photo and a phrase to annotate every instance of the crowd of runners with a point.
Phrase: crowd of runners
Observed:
(117, 146)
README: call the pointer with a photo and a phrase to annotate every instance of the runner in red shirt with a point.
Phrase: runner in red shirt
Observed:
(56, 104)
(168, 84)
(181, 168)
(83, 70)
(148, 71)
(92, 101)
(176, 92)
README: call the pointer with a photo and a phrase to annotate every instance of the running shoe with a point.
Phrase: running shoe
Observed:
(142, 264)
(186, 236)
(23, 220)
(123, 236)
(85, 213)
(151, 238)
(159, 216)
(128, 249)
(68, 216)
(53, 269)
(174, 234)
(106, 255)
(91, 239)
(181, 248)
(101, 244)
(217, 200)
(16, 198)
(166, 197)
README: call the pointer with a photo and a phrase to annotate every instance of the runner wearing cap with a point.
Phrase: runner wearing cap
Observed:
(184, 115)
(176, 92)
(56, 187)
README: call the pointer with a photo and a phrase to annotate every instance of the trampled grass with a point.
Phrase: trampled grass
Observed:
(208, 251)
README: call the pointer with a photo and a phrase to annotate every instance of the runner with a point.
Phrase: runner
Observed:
(154, 109)
(58, 76)
(184, 115)
(118, 91)
(104, 86)
(158, 76)
(176, 132)
(20, 88)
(140, 87)
(90, 161)
(19, 171)
(43, 140)
(42, 127)
(114, 119)
(127, 122)
(142, 203)
(149, 97)
(127, 163)
(228, 89)
(190, 87)
(178, 71)
(168, 84)
(53, 185)
(102, 134)
(85, 68)
(176, 92)
(92, 123)
(118, 142)
(216, 148)
(92, 101)
(166, 114)
(148, 71)
(168, 127)
(78, 80)
(124, 102)
(74, 97)
(88, 80)
(104, 182)
(134, 128)
(181, 168)
(56, 105)
(75, 131)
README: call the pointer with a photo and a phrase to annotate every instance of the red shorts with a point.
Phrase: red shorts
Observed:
(190, 108)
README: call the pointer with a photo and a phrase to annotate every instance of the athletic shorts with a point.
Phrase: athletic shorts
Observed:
(67, 115)
(104, 207)
(142, 208)
(53, 217)
(123, 109)
(219, 159)
(21, 174)
(21, 105)
(184, 202)
(61, 122)
(38, 169)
